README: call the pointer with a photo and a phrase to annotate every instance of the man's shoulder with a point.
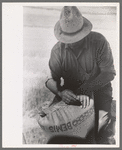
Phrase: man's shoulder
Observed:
(96, 36)
(57, 47)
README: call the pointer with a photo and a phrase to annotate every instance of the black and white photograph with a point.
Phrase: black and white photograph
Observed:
(70, 74)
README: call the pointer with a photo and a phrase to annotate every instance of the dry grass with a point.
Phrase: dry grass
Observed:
(35, 97)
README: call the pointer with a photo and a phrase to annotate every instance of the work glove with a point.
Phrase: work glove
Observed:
(68, 96)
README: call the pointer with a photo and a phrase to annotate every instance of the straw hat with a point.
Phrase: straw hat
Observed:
(72, 26)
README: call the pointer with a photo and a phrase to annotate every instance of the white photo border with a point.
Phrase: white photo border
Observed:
(12, 64)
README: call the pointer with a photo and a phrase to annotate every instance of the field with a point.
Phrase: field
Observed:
(38, 39)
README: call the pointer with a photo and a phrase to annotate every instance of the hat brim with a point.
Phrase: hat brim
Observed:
(73, 37)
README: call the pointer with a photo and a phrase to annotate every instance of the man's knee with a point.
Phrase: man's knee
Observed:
(104, 119)
(106, 130)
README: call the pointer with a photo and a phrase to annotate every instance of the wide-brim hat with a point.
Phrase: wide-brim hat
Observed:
(72, 26)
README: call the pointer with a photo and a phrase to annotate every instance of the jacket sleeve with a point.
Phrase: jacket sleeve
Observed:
(55, 63)
(104, 57)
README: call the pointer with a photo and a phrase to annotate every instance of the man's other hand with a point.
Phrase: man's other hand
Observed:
(85, 100)
(68, 96)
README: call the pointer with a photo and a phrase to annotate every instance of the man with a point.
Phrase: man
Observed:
(84, 60)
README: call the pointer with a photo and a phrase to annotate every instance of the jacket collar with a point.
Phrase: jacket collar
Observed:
(82, 44)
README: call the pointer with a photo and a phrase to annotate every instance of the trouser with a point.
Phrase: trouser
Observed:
(105, 123)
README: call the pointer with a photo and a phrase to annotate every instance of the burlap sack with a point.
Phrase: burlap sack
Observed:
(63, 119)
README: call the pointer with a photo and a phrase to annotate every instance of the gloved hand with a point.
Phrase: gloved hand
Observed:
(68, 96)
